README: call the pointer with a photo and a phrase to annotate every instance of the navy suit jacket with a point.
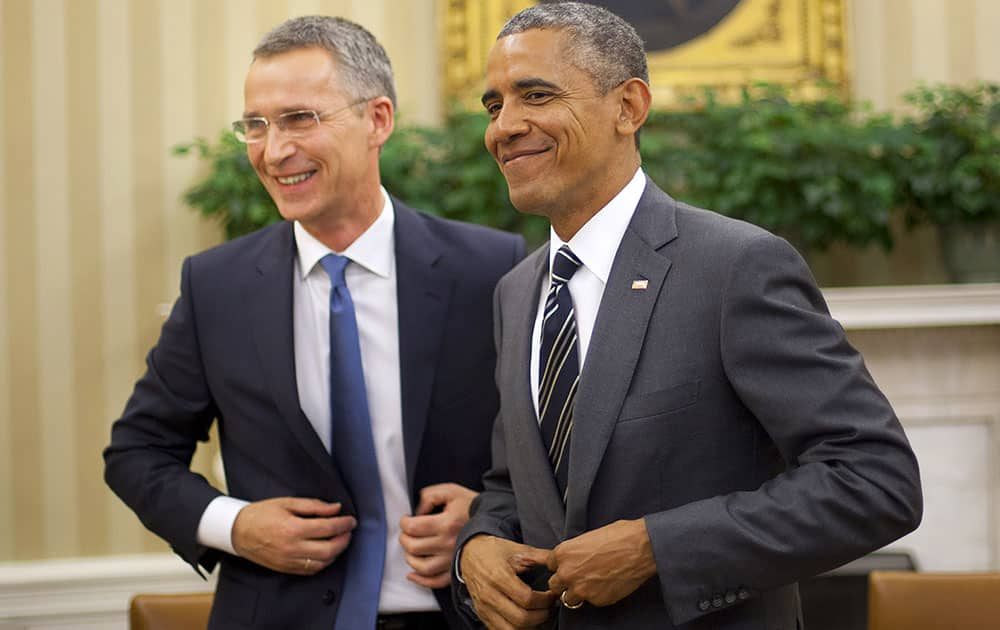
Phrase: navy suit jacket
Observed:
(226, 353)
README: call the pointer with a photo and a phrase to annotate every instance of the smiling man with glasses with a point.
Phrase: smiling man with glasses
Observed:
(346, 354)
(295, 124)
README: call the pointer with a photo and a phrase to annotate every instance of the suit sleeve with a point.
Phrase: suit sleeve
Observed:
(851, 483)
(171, 409)
(494, 511)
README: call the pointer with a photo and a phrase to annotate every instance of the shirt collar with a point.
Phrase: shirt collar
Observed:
(374, 249)
(596, 243)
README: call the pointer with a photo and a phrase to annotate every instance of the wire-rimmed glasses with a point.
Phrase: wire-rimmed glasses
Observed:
(254, 129)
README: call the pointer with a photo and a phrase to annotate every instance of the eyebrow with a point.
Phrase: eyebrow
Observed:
(285, 110)
(522, 84)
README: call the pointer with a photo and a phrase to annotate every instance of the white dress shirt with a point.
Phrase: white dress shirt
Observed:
(595, 244)
(371, 279)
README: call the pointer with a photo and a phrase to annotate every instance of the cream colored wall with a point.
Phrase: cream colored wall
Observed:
(895, 43)
(93, 93)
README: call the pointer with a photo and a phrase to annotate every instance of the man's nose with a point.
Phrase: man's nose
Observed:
(509, 122)
(278, 145)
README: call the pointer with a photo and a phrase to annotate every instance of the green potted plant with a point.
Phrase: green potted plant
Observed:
(230, 191)
(950, 170)
(809, 170)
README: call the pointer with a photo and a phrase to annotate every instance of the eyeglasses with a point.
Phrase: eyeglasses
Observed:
(296, 124)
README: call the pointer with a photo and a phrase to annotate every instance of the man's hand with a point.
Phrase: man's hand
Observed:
(602, 566)
(490, 567)
(429, 539)
(290, 535)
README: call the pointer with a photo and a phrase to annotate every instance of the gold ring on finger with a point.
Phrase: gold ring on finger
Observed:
(308, 562)
(568, 605)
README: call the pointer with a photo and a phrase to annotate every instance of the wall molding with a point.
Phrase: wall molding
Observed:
(915, 306)
(87, 592)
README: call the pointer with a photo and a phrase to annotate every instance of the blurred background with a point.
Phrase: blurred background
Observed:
(96, 94)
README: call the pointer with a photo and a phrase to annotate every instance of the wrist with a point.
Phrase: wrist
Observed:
(646, 561)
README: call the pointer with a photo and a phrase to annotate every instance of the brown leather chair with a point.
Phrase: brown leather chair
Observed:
(178, 611)
(907, 600)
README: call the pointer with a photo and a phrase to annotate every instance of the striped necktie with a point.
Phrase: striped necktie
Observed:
(559, 370)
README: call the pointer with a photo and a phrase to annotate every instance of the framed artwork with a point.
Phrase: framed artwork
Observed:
(690, 43)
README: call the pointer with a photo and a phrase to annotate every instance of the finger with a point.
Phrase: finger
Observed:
(497, 610)
(337, 546)
(570, 600)
(322, 528)
(421, 526)
(541, 600)
(440, 580)
(323, 552)
(556, 584)
(429, 565)
(520, 617)
(528, 557)
(426, 546)
(435, 495)
(524, 597)
(493, 619)
(310, 507)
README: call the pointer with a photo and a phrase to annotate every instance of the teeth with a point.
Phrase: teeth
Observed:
(295, 179)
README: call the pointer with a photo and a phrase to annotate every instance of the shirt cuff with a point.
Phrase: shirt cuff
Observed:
(458, 565)
(215, 529)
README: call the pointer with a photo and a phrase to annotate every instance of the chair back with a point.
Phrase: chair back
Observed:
(908, 600)
(176, 611)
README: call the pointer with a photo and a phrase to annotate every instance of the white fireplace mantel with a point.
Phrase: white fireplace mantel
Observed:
(934, 350)
(915, 306)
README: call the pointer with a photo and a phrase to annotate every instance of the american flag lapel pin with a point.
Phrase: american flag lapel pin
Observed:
(640, 285)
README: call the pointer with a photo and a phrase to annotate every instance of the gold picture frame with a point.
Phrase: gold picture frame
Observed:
(796, 43)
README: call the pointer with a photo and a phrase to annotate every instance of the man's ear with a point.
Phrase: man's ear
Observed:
(634, 106)
(381, 115)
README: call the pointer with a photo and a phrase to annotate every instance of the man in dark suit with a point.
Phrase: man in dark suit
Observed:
(346, 354)
(684, 431)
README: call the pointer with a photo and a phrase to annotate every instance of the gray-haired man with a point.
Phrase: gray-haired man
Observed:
(696, 434)
(346, 354)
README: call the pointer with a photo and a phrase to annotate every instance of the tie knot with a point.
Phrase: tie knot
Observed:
(334, 266)
(564, 265)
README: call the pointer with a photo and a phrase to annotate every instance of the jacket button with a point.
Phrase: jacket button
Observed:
(717, 601)
(743, 594)
(704, 605)
(730, 597)
(329, 597)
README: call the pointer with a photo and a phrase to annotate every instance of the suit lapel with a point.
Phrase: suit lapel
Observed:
(423, 291)
(616, 343)
(525, 439)
(270, 303)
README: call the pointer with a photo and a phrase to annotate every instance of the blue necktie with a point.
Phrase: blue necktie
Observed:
(559, 371)
(353, 450)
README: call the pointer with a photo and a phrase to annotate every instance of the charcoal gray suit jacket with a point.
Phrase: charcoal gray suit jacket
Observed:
(720, 402)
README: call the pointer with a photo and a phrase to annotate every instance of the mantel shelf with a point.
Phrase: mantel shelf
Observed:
(915, 306)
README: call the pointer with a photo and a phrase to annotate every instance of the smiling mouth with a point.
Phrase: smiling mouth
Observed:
(507, 159)
(295, 179)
